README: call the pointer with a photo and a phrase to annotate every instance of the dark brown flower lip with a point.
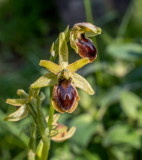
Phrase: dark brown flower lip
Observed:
(65, 96)
(86, 48)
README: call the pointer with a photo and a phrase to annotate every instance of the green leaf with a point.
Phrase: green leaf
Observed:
(111, 96)
(82, 83)
(122, 134)
(52, 67)
(48, 79)
(85, 130)
(16, 102)
(19, 114)
(73, 67)
(13, 132)
(130, 104)
(129, 51)
(63, 50)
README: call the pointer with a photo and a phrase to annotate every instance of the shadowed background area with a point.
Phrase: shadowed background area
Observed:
(109, 123)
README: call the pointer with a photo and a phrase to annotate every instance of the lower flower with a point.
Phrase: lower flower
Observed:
(65, 96)
(60, 132)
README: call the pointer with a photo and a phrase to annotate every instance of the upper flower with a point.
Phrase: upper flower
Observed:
(81, 43)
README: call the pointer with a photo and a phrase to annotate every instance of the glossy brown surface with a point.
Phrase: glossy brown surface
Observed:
(87, 48)
(66, 95)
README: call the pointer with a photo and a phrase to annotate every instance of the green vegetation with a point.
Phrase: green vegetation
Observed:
(109, 124)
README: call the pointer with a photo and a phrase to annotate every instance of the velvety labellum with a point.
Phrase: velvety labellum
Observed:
(66, 95)
(86, 48)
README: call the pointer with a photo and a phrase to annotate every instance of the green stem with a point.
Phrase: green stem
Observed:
(44, 131)
(89, 18)
(125, 21)
(33, 113)
(51, 112)
(88, 11)
(46, 147)
(32, 143)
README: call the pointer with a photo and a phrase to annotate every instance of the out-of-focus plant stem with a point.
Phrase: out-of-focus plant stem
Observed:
(125, 21)
(89, 18)
(40, 121)
(44, 131)
(32, 143)
(51, 112)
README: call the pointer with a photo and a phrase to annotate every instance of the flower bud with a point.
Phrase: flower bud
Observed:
(86, 48)
(65, 96)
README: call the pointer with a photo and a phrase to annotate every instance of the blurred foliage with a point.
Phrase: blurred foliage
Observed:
(109, 124)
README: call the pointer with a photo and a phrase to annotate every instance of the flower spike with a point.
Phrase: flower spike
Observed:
(63, 77)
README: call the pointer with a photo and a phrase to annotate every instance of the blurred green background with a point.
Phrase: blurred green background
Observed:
(109, 124)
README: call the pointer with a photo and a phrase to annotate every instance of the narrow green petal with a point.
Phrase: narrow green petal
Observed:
(48, 79)
(52, 51)
(52, 67)
(73, 67)
(19, 114)
(16, 102)
(56, 43)
(63, 50)
(66, 30)
(39, 150)
(82, 83)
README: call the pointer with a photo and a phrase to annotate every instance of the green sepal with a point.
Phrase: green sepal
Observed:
(73, 67)
(39, 150)
(16, 102)
(22, 93)
(52, 67)
(82, 83)
(73, 38)
(89, 29)
(63, 50)
(19, 114)
(48, 79)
